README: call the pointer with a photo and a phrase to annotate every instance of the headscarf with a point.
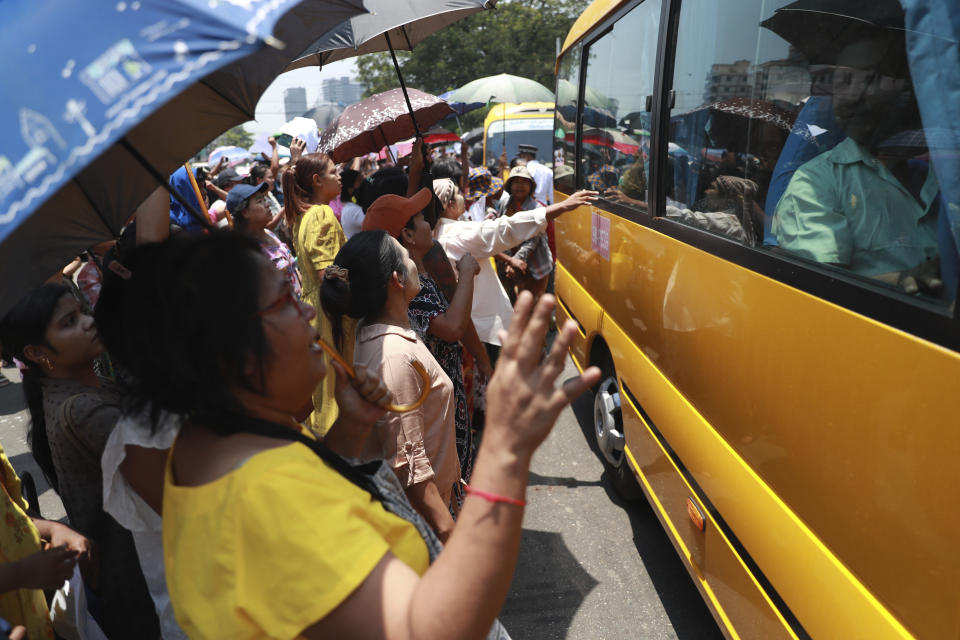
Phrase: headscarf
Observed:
(445, 190)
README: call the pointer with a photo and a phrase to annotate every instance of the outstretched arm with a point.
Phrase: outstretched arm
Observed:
(393, 603)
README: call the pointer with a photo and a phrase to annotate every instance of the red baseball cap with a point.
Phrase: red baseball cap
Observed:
(391, 212)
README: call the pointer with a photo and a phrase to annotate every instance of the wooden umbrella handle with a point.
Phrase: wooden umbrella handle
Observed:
(196, 192)
(398, 408)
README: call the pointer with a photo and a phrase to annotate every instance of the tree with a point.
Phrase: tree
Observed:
(236, 137)
(518, 37)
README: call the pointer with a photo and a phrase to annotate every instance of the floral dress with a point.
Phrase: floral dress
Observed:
(282, 258)
(429, 304)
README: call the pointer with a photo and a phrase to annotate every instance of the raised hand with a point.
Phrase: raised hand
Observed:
(522, 400)
(297, 147)
(468, 266)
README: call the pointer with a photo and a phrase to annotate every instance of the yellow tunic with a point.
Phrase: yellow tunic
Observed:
(317, 237)
(19, 538)
(272, 547)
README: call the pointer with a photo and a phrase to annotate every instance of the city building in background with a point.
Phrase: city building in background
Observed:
(727, 81)
(343, 91)
(294, 102)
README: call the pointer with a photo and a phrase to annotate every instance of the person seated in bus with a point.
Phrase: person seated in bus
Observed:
(632, 188)
(814, 131)
(604, 175)
(728, 207)
(860, 205)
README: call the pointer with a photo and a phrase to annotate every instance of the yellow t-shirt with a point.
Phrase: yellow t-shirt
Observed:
(317, 238)
(275, 545)
(19, 538)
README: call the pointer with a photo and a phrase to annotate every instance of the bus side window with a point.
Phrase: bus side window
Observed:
(565, 118)
(807, 141)
(615, 131)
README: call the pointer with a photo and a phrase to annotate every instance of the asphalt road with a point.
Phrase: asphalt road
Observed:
(14, 419)
(591, 567)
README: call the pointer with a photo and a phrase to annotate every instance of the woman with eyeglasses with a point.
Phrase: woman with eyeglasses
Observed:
(266, 531)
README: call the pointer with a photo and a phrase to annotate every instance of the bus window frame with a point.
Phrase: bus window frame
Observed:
(915, 316)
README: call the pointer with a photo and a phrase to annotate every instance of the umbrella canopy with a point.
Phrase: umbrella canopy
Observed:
(723, 124)
(236, 155)
(407, 22)
(567, 94)
(820, 29)
(381, 119)
(324, 114)
(300, 127)
(502, 88)
(438, 135)
(400, 150)
(761, 110)
(150, 85)
(609, 138)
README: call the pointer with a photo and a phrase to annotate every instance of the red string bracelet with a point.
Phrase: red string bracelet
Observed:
(492, 497)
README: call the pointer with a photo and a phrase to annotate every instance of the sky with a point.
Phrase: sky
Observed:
(270, 108)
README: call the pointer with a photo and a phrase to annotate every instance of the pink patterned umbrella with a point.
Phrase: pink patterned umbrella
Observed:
(380, 120)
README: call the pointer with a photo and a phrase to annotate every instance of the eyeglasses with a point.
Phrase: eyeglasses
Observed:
(285, 299)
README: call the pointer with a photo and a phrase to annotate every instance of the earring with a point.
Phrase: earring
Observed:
(45, 361)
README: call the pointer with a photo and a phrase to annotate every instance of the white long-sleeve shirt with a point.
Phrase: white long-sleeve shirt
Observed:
(543, 178)
(491, 307)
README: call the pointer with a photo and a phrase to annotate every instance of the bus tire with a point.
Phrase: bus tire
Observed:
(608, 432)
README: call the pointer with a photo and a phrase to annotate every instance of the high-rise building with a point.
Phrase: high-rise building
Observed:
(728, 81)
(294, 102)
(342, 91)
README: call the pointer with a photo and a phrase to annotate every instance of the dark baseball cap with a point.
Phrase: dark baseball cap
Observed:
(241, 193)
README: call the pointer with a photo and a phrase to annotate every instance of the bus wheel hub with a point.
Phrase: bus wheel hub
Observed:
(606, 421)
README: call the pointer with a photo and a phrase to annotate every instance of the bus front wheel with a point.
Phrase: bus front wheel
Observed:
(608, 430)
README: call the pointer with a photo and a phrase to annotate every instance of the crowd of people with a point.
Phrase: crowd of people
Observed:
(219, 479)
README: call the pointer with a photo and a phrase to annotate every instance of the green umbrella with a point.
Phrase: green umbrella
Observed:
(501, 88)
(567, 94)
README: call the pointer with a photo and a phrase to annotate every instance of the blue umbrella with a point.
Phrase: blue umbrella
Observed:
(461, 107)
(101, 100)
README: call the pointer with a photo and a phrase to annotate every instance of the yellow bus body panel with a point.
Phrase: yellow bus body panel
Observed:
(823, 438)
(593, 15)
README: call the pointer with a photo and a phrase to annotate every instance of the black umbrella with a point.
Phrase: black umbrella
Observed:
(820, 29)
(390, 24)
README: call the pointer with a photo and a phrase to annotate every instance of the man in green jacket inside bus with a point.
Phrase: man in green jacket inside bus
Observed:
(870, 203)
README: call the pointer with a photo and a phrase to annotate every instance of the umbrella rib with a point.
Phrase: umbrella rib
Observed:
(96, 210)
(163, 182)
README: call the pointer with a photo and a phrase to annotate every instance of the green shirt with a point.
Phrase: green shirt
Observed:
(846, 207)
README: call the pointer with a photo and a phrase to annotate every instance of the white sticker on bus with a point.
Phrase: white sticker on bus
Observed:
(600, 235)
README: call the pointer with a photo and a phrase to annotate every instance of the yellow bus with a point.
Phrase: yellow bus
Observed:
(768, 283)
(510, 124)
